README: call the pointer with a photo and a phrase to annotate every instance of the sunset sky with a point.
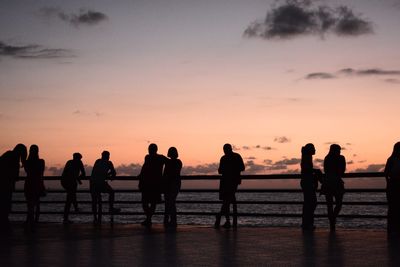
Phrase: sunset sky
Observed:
(265, 76)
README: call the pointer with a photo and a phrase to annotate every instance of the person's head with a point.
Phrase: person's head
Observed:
(308, 150)
(227, 148)
(21, 151)
(153, 149)
(173, 153)
(33, 152)
(77, 156)
(396, 150)
(334, 149)
(105, 155)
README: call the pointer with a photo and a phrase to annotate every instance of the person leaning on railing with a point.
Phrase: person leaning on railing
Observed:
(70, 178)
(392, 175)
(9, 174)
(103, 169)
(230, 167)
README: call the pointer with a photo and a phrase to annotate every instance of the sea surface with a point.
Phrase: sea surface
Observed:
(214, 208)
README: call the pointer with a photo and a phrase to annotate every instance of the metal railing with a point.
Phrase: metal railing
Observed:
(375, 175)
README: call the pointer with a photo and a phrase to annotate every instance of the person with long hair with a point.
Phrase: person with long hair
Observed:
(150, 182)
(392, 175)
(70, 178)
(309, 185)
(172, 185)
(10, 163)
(34, 185)
(332, 184)
(230, 167)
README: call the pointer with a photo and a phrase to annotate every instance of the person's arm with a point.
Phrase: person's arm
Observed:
(388, 167)
(343, 166)
(241, 163)
(221, 166)
(111, 173)
(82, 171)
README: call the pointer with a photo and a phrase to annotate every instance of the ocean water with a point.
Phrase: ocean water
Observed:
(214, 208)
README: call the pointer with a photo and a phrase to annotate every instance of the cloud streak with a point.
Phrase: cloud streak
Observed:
(282, 139)
(84, 17)
(294, 18)
(350, 72)
(33, 51)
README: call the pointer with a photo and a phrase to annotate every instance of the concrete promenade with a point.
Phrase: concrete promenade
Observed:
(133, 245)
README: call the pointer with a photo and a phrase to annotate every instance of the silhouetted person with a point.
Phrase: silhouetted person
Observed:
(103, 170)
(332, 184)
(230, 166)
(309, 185)
(34, 185)
(70, 178)
(150, 182)
(172, 185)
(392, 175)
(9, 174)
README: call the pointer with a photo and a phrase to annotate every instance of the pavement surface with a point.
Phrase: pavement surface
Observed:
(133, 245)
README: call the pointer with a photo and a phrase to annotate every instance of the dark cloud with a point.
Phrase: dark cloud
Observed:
(369, 72)
(318, 160)
(349, 24)
(84, 17)
(254, 168)
(33, 51)
(394, 81)
(132, 169)
(292, 18)
(250, 158)
(204, 169)
(291, 161)
(268, 161)
(255, 147)
(320, 75)
(371, 168)
(350, 162)
(281, 139)
(356, 73)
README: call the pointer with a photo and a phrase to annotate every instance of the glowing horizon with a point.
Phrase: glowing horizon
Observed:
(195, 76)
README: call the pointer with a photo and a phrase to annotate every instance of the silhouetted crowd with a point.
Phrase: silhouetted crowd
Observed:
(160, 175)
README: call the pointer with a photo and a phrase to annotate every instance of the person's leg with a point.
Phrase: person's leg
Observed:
(37, 211)
(94, 206)
(225, 210)
(338, 206)
(167, 207)
(74, 200)
(172, 211)
(331, 215)
(99, 207)
(234, 206)
(67, 206)
(309, 205)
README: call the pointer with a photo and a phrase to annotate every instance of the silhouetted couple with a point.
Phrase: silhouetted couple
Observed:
(158, 175)
(392, 175)
(332, 184)
(230, 167)
(70, 178)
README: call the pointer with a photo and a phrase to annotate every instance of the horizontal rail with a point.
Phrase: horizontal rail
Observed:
(125, 191)
(352, 203)
(191, 213)
(244, 177)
